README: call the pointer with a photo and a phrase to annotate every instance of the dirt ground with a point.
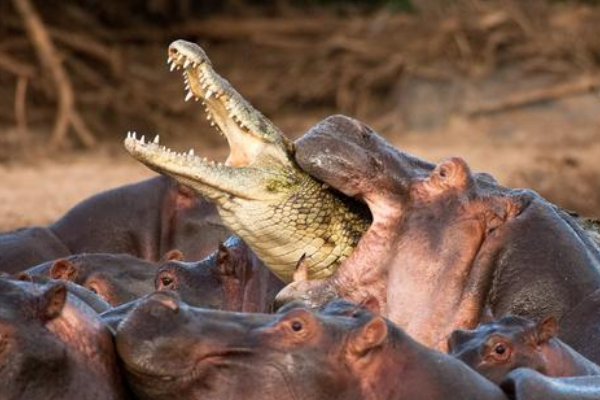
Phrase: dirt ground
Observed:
(512, 87)
(549, 152)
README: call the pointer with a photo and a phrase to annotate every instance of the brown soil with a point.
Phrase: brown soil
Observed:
(510, 86)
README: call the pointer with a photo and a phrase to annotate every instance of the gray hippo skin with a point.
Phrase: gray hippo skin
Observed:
(527, 384)
(53, 346)
(145, 219)
(116, 278)
(231, 279)
(173, 351)
(445, 243)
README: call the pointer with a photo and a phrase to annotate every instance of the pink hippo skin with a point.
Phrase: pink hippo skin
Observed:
(176, 352)
(445, 243)
(496, 348)
(53, 346)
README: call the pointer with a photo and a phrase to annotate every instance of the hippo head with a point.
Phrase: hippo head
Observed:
(116, 278)
(495, 349)
(349, 156)
(232, 278)
(32, 358)
(197, 283)
(169, 347)
(432, 226)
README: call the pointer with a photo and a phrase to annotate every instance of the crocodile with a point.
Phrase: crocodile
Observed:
(260, 192)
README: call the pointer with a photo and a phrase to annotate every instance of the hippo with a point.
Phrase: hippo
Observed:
(144, 219)
(445, 243)
(26, 247)
(93, 300)
(53, 346)
(171, 350)
(232, 279)
(116, 278)
(527, 384)
(496, 348)
(577, 327)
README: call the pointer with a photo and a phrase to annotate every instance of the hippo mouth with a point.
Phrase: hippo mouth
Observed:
(198, 370)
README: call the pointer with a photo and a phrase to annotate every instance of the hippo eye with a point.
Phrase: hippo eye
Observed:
(501, 351)
(297, 326)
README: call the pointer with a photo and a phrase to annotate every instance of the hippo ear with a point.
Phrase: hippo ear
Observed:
(371, 304)
(547, 329)
(457, 339)
(52, 300)
(454, 172)
(372, 335)
(173, 255)
(64, 269)
(23, 276)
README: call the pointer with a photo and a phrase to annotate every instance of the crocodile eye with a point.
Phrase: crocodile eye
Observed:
(297, 326)
(166, 281)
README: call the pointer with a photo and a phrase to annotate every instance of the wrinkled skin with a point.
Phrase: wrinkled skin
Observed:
(445, 243)
(581, 327)
(527, 384)
(173, 351)
(116, 278)
(144, 219)
(232, 279)
(52, 346)
(496, 348)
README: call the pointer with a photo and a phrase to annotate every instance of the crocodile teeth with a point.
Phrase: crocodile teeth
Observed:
(172, 67)
(156, 139)
(191, 153)
(179, 57)
(143, 139)
(169, 60)
(186, 64)
(133, 135)
(188, 96)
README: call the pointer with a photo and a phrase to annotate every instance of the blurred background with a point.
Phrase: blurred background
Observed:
(511, 86)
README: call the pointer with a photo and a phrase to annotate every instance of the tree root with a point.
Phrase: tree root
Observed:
(67, 114)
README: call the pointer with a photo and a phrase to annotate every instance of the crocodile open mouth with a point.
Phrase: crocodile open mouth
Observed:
(250, 135)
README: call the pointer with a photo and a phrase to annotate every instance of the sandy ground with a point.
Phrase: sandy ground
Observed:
(554, 153)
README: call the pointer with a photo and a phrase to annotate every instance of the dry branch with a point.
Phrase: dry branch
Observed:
(519, 100)
(15, 67)
(21, 109)
(67, 114)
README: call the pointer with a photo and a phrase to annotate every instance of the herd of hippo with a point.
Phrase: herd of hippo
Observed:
(357, 272)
